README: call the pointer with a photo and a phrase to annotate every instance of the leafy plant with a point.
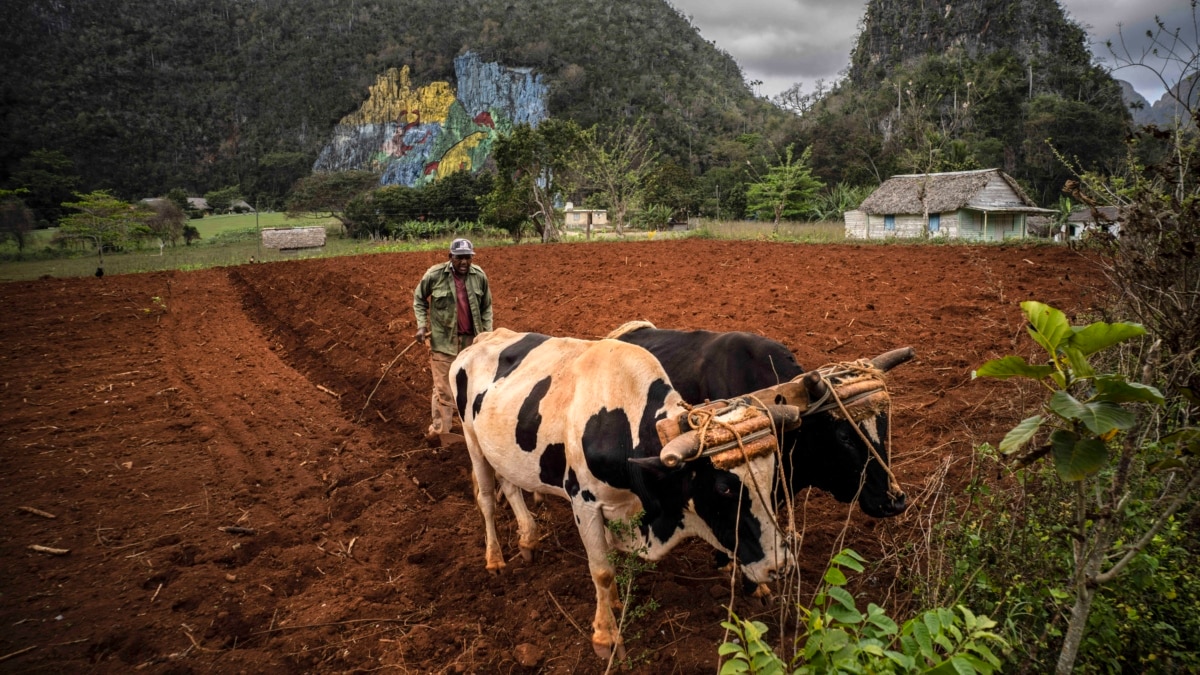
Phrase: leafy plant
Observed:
(629, 563)
(839, 638)
(1083, 425)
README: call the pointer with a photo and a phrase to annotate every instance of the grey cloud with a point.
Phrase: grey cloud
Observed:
(783, 42)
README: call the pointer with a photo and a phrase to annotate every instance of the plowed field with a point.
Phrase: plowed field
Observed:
(148, 412)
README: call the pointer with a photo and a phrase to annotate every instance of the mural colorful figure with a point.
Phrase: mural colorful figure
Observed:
(414, 136)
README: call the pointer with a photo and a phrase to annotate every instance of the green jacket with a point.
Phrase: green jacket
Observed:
(434, 304)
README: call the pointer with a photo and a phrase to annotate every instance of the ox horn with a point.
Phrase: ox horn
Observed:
(815, 386)
(786, 417)
(889, 360)
(682, 448)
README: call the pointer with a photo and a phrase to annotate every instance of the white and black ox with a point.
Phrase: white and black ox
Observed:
(577, 418)
(844, 455)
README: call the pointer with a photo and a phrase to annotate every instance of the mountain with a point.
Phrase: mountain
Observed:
(977, 84)
(146, 95)
(1136, 104)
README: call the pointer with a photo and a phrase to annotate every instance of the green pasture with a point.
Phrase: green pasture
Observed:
(236, 239)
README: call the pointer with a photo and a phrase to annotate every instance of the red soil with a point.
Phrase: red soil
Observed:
(238, 401)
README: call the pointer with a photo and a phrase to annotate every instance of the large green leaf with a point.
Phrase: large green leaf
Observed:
(1048, 326)
(1115, 389)
(1076, 458)
(1094, 337)
(1080, 367)
(1100, 417)
(1021, 434)
(1066, 406)
(1012, 366)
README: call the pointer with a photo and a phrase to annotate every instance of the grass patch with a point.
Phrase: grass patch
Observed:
(235, 239)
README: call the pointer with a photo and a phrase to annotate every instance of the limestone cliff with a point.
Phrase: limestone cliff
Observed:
(899, 31)
(414, 135)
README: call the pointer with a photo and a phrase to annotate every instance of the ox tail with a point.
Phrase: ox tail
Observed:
(627, 328)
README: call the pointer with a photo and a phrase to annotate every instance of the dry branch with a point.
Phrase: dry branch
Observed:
(37, 512)
(46, 549)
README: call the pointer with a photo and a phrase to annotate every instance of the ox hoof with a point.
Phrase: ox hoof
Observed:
(763, 591)
(495, 566)
(605, 650)
(527, 554)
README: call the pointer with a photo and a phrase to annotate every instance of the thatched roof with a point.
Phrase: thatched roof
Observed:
(944, 192)
(1109, 214)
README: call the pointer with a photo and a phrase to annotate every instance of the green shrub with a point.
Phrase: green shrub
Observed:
(838, 638)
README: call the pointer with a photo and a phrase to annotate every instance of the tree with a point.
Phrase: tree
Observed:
(221, 201)
(617, 161)
(533, 168)
(178, 197)
(104, 220)
(16, 219)
(1088, 421)
(166, 220)
(49, 179)
(672, 186)
(325, 195)
(786, 188)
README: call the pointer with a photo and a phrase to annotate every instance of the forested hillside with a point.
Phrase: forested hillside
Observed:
(965, 85)
(143, 96)
(146, 95)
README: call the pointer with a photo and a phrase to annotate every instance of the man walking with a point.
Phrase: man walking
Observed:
(453, 304)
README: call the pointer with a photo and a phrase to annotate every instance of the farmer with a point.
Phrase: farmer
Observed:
(453, 304)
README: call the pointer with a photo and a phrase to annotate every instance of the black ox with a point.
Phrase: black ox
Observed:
(827, 451)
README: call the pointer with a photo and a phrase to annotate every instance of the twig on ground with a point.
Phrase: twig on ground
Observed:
(385, 372)
(564, 613)
(46, 549)
(37, 512)
(17, 653)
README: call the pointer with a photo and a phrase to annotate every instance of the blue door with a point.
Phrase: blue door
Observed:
(935, 222)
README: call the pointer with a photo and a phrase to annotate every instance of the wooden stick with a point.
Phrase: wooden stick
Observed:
(329, 391)
(237, 530)
(564, 613)
(17, 653)
(385, 372)
(37, 512)
(46, 549)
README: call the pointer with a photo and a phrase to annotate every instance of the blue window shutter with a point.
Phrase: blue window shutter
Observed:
(935, 222)
(889, 222)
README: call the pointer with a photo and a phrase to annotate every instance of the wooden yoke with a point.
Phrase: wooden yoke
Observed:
(732, 431)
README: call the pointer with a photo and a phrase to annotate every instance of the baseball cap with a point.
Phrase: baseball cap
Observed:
(461, 247)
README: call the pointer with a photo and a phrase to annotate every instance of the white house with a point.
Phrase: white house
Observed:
(985, 205)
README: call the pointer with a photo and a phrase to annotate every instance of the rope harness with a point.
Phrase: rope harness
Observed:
(856, 391)
(734, 431)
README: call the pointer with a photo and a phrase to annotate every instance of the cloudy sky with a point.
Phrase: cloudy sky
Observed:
(782, 42)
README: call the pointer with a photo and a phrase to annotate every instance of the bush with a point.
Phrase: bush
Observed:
(838, 638)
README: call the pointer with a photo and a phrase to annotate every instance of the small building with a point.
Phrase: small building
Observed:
(199, 204)
(581, 219)
(984, 205)
(1088, 219)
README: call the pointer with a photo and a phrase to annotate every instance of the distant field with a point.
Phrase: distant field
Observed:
(235, 239)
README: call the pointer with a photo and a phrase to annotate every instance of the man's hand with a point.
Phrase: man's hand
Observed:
(421, 332)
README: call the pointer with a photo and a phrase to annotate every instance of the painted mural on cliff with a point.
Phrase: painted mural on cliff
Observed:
(415, 135)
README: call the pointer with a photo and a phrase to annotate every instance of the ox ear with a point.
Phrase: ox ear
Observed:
(889, 360)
